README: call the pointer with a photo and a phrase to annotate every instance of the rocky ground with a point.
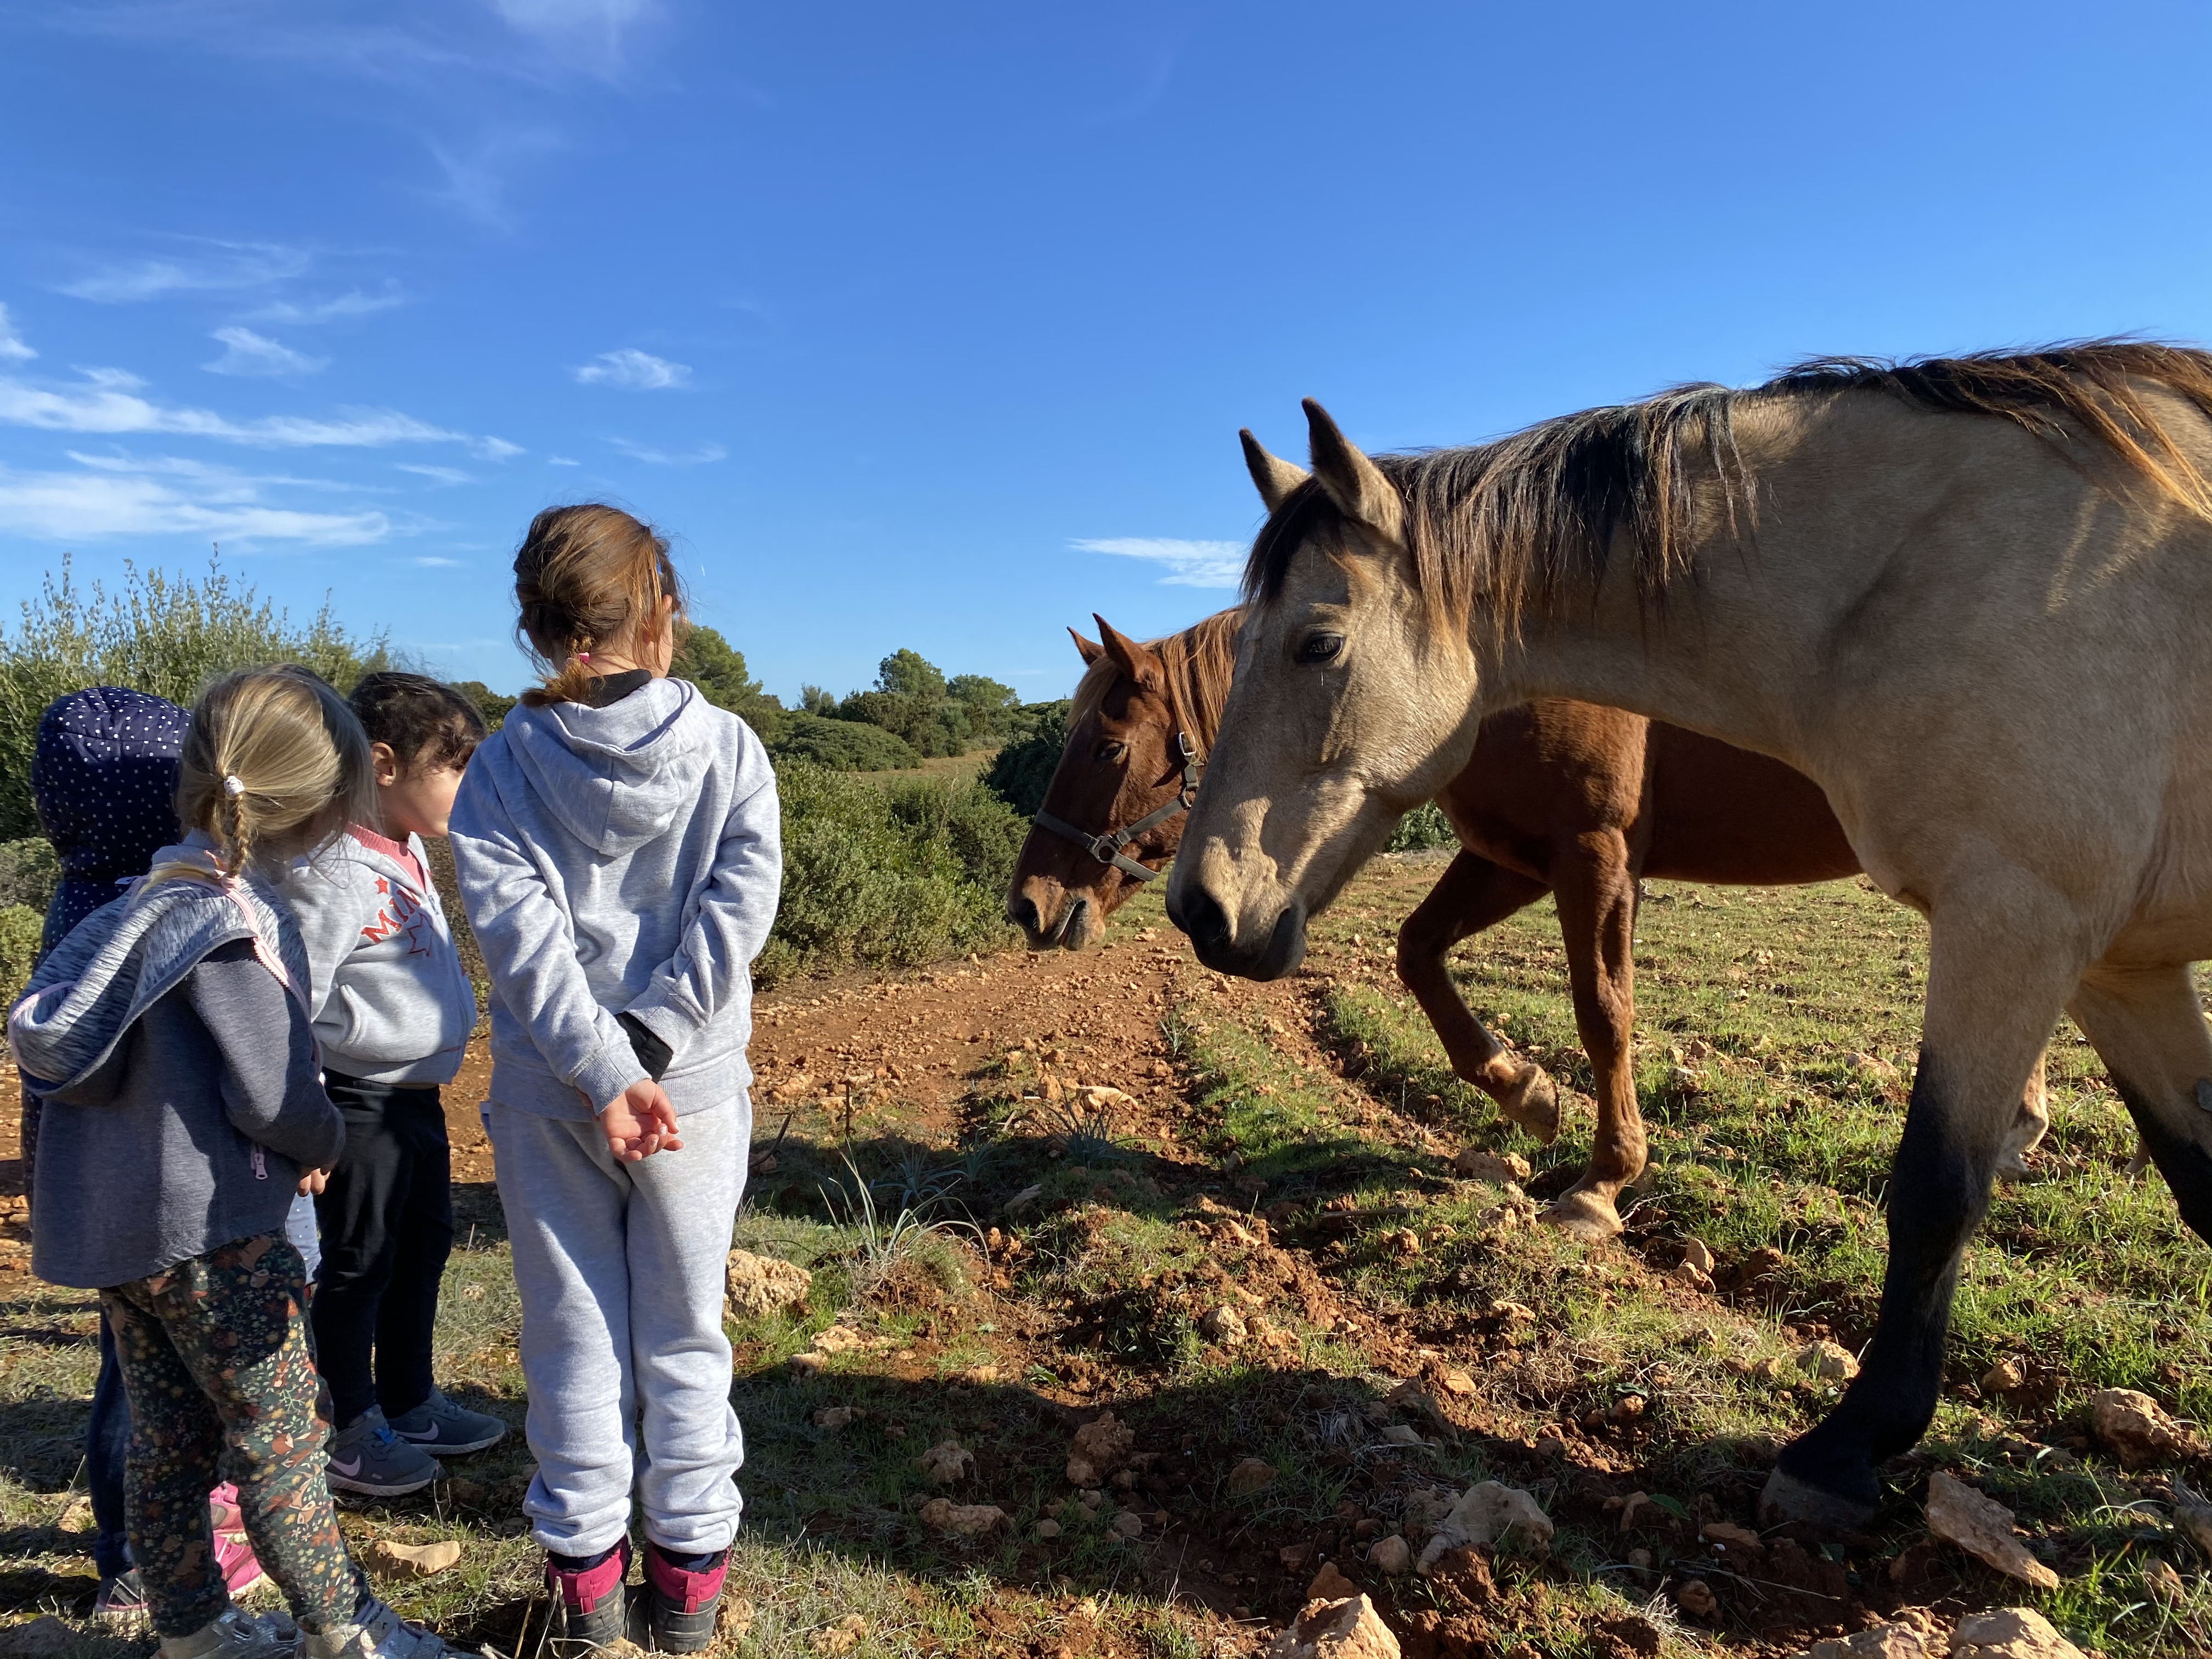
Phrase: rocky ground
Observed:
(1098, 1305)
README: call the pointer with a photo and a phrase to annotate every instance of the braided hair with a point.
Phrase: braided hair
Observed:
(274, 765)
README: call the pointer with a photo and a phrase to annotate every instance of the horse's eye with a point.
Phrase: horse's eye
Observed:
(1320, 648)
(1109, 749)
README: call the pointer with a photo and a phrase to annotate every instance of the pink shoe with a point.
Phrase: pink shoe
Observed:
(678, 1610)
(589, 1606)
(234, 1552)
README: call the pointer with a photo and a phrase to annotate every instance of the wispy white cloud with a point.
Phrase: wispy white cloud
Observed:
(444, 475)
(433, 49)
(118, 496)
(270, 30)
(13, 349)
(231, 267)
(477, 175)
(633, 371)
(589, 25)
(245, 352)
(207, 473)
(307, 313)
(108, 402)
(1189, 563)
(433, 563)
(498, 449)
(561, 460)
(702, 455)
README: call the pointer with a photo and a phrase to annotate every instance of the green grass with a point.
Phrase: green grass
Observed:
(1781, 1145)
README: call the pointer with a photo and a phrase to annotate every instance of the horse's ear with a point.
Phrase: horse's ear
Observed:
(1091, 651)
(1355, 483)
(1133, 658)
(1275, 477)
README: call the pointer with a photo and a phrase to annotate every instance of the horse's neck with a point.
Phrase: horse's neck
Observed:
(1688, 666)
(1738, 646)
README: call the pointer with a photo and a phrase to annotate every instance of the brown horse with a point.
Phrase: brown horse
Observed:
(1970, 597)
(1564, 798)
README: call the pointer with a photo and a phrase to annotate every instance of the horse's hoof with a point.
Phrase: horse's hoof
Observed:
(1532, 1102)
(1587, 1217)
(1788, 1498)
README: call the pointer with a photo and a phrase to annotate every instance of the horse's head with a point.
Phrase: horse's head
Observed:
(1123, 764)
(1349, 708)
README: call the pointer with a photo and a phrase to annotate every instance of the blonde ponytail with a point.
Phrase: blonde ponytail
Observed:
(275, 765)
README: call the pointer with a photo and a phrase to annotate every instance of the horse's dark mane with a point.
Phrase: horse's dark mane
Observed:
(1509, 527)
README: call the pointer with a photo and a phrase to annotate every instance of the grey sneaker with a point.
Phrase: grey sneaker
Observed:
(367, 1457)
(445, 1430)
(377, 1633)
(236, 1634)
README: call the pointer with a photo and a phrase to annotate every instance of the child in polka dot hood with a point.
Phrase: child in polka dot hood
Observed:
(104, 778)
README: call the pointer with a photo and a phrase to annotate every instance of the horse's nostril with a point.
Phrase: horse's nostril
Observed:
(1022, 911)
(1200, 914)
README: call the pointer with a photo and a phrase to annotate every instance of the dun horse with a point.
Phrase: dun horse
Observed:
(1560, 797)
(1970, 597)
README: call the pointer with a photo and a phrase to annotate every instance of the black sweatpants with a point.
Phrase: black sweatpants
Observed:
(386, 1219)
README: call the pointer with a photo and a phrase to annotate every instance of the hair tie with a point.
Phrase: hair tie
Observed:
(583, 656)
(232, 785)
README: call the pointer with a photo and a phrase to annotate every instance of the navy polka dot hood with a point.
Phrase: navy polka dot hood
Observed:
(104, 779)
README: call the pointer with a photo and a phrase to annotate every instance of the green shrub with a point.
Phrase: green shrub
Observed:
(971, 822)
(719, 670)
(1424, 827)
(991, 706)
(913, 701)
(18, 948)
(1020, 773)
(159, 634)
(494, 706)
(841, 745)
(29, 872)
(876, 876)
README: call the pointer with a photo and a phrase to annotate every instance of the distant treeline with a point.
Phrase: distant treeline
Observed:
(911, 713)
(879, 873)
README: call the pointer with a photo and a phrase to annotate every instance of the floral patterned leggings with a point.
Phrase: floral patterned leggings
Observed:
(215, 1358)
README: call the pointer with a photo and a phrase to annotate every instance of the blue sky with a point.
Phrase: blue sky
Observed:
(933, 326)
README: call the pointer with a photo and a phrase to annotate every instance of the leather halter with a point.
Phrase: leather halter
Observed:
(1107, 849)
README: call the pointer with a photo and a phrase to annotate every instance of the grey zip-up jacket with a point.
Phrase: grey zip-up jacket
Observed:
(392, 1002)
(183, 1097)
(619, 861)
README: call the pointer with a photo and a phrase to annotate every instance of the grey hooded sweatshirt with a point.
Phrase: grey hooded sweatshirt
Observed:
(183, 1099)
(619, 861)
(391, 1001)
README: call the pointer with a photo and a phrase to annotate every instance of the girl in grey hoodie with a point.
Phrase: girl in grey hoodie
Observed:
(618, 843)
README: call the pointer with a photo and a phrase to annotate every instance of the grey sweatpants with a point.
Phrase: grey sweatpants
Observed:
(621, 1267)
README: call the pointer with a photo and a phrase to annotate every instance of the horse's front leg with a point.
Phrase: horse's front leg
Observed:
(1472, 894)
(1997, 976)
(1597, 893)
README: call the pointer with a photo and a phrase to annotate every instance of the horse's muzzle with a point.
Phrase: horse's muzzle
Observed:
(1270, 955)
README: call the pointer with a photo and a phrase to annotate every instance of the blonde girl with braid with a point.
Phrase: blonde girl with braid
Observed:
(169, 1035)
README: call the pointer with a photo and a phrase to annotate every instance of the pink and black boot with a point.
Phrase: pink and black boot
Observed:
(682, 1595)
(587, 1592)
